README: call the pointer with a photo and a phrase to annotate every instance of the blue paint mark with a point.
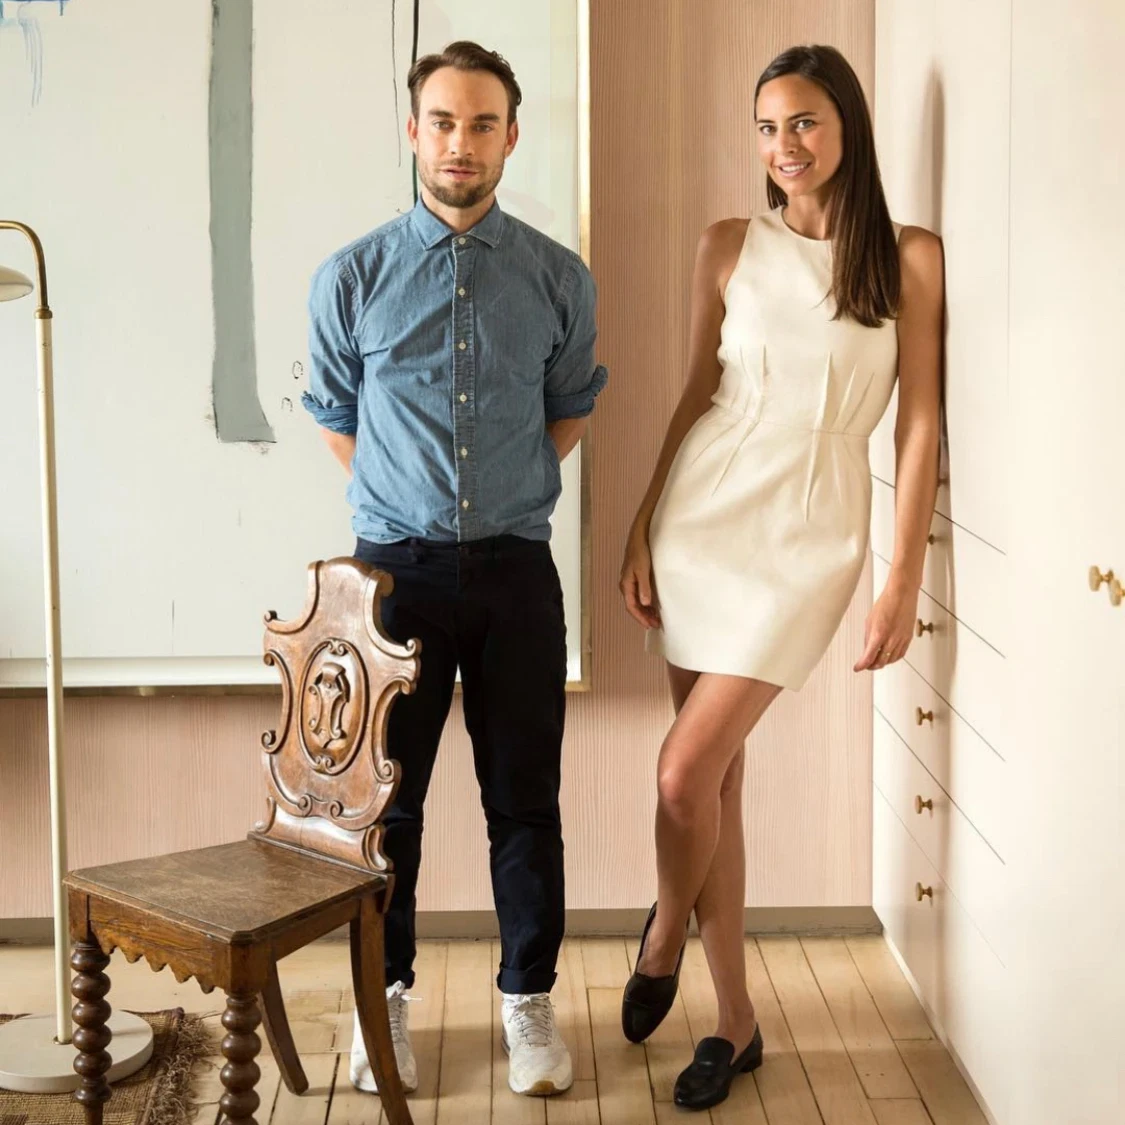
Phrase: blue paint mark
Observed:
(32, 39)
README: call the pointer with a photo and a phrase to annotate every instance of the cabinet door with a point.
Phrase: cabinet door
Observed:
(1067, 654)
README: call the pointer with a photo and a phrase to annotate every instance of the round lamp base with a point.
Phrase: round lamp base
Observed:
(31, 1062)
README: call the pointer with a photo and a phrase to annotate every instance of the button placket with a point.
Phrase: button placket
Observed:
(464, 389)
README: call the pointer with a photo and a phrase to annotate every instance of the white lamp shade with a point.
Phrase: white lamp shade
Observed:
(13, 284)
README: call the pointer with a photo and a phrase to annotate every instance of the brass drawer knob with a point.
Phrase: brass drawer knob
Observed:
(931, 538)
(1116, 590)
(923, 716)
(921, 627)
(919, 804)
(921, 892)
(1097, 579)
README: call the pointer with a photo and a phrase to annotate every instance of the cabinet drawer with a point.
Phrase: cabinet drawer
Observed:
(959, 854)
(962, 573)
(965, 766)
(961, 667)
(960, 980)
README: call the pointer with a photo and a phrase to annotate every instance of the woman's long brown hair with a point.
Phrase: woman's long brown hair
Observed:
(865, 271)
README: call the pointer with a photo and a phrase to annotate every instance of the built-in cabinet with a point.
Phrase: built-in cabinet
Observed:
(998, 742)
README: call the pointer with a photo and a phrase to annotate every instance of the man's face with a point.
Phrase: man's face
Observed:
(461, 136)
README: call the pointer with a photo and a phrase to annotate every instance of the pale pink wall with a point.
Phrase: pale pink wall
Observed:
(672, 152)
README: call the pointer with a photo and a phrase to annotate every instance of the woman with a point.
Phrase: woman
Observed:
(749, 544)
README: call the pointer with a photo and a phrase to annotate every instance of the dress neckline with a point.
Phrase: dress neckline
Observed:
(797, 234)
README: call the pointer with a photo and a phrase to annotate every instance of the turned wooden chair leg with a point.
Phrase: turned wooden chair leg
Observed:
(369, 980)
(280, 1037)
(240, 1048)
(91, 1036)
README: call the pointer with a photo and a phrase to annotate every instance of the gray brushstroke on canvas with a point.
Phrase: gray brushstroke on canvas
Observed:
(234, 380)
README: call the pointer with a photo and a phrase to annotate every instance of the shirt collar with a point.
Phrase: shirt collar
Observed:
(433, 231)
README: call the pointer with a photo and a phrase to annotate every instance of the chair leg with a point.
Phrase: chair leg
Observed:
(240, 1047)
(92, 1037)
(369, 979)
(280, 1037)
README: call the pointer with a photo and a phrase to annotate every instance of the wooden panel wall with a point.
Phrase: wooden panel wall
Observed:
(673, 150)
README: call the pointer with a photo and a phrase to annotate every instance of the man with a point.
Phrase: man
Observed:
(452, 370)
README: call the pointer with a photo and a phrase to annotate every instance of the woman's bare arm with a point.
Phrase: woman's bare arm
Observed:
(917, 437)
(716, 257)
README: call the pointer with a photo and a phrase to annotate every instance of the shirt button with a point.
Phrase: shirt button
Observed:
(460, 292)
(464, 503)
(464, 398)
(462, 345)
(464, 452)
(461, 241)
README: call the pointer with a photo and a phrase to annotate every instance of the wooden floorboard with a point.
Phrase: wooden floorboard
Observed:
(845, 1039)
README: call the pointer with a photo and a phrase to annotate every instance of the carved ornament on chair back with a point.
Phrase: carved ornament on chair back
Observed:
(327, 770)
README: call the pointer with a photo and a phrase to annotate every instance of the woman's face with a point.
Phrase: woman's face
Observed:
(800, 134)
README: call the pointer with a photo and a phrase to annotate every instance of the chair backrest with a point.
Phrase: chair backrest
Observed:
(327, 770)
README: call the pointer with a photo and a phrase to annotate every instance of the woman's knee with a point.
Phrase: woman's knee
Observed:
(684, 791)
(732, 779)
(679, 797)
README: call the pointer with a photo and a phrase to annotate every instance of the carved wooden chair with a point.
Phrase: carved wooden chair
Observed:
(226, 915)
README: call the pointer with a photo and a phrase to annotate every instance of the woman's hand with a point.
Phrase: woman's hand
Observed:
(636, 580)
(890, 626)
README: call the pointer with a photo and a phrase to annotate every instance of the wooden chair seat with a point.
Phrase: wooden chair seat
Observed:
(226, 915)
(239, 893)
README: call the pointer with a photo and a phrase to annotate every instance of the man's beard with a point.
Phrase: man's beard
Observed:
(461, 196)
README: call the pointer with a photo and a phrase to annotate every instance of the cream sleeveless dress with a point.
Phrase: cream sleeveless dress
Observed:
(761, 532)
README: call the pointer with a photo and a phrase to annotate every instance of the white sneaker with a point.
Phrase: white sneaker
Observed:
(538, 1061)
(360, 1070)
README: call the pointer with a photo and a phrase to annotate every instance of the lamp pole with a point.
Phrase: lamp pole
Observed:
(32, 1060)
(48, 495)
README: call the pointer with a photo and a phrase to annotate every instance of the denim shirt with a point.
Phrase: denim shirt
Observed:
(447, 355)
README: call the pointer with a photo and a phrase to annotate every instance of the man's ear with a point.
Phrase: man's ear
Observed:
(412, 132)
(513, 136)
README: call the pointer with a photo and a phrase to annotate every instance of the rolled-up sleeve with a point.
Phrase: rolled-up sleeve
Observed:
(336, 369)
(573, 377)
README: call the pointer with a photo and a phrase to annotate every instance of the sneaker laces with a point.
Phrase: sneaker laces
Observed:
(532, 1019)
(396, 1010)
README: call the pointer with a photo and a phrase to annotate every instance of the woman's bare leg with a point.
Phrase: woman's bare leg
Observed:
(719, 912)
(716, 714)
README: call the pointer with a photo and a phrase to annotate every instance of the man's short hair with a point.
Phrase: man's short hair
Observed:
(464, 55)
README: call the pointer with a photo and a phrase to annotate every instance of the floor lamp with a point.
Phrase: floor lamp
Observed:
(36, 1053)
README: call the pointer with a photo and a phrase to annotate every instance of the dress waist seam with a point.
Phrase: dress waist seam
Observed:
(758, 420)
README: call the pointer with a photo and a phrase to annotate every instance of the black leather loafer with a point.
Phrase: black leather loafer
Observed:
(707, 1081)
(647, 1000)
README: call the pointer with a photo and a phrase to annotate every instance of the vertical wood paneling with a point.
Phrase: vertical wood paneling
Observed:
(672, 151)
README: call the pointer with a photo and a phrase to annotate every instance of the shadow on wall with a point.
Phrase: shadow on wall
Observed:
(942, 586)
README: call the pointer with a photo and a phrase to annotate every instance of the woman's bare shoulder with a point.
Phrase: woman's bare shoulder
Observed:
(922, 264)
(919, 247)
(720, 246)
(724, 235)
